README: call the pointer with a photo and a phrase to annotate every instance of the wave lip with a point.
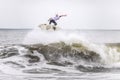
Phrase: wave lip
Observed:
(65, 54)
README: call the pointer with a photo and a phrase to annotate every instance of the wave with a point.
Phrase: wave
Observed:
(44, 51)
(84, 57)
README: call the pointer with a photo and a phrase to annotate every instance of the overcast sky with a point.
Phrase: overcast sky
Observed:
(82, 14)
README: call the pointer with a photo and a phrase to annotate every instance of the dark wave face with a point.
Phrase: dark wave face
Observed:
(74, 55)
(61, 53)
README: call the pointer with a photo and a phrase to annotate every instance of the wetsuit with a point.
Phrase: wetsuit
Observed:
(54, 19)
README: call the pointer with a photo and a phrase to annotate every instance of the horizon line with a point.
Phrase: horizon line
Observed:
(64, 29)
(15, 28)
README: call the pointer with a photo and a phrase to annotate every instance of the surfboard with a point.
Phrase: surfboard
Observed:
(48, 27)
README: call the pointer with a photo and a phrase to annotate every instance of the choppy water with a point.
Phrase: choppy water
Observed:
(12, 36)
(95, 36)
(59, 60)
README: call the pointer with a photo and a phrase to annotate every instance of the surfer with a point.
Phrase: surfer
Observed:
(54, 19)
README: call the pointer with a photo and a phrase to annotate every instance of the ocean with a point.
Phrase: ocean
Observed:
(59, 55)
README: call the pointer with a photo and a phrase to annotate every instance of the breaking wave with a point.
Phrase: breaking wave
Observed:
(58, 51)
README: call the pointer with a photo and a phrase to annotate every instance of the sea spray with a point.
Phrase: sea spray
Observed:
(37, 36)
(109, 55)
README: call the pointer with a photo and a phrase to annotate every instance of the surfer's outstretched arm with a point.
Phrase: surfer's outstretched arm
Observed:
(63, 15)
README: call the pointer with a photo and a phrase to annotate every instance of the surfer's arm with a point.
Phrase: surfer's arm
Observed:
(62, 15)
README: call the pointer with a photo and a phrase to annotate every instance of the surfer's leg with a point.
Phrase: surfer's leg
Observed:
(50, 22)
(54, 23)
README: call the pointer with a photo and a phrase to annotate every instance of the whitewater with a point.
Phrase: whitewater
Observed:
(59, 55)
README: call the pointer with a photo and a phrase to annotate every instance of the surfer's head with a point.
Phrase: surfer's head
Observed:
(56, 15)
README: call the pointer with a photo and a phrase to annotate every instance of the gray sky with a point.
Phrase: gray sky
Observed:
(82, 14)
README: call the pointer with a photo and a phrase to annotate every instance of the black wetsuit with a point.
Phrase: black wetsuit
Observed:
(53, 21)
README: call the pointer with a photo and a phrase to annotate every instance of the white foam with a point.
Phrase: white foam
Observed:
(45, 37)
(108, 55)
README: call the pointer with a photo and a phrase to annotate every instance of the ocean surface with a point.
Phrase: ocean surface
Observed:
(60, 55)
(16, 36)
